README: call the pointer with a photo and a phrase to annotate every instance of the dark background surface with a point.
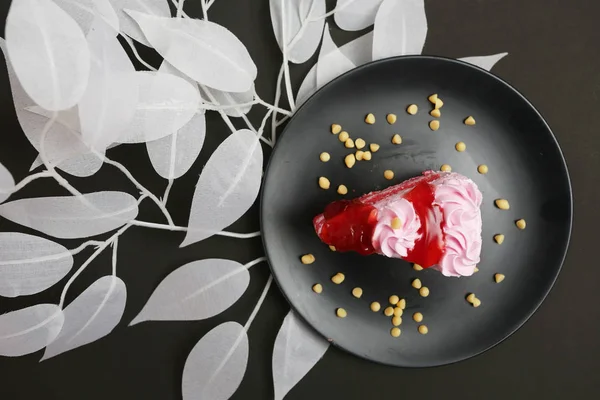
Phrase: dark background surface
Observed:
(553, 59)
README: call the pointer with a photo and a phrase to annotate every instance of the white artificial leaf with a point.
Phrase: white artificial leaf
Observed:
(174, 155)
(198, 290)
(332, 62)
(109, 103)
(204, 51)
(297, 349)
(7, 183)
(85, 11)
(485, 62)
(288, 16)
(400, 28)
(357, 15)
(69, 217)
(231, 99)
(30, 264)
(159, 8)
(359, 51)
(165, 104)
(62, 143)
(227, 187)
(91, 316)
(30, 329)
(48, 52)
(215, 367)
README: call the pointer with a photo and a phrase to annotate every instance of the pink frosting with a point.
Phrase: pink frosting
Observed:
(459, 201)
(396, 242)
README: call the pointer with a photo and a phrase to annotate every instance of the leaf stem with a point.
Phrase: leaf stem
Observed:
(85, 245)
(277, 97)
(114, 256)
(259, 303)
(136, 54)
(174, 228)
(26, 181)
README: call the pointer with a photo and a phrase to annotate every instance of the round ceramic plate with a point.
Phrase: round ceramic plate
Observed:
(525, 166)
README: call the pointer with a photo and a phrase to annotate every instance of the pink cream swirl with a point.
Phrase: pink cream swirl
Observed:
(460, 201)
(396, 243)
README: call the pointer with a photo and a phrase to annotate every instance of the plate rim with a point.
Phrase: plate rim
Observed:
(358, 69)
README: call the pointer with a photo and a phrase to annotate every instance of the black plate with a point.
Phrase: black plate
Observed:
(526, 167)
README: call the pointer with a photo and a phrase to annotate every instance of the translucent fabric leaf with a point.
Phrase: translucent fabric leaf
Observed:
(30, 329)
(485, 62)
(204, 51)
(198, 290)
(297, 349)
(7, 183)
(91, 316)
(159, 8)
(109, 103)
(85, 11)
(216, 366)
(357, 15)
(228, 186)
(288, 16)
(165, 104)
(30, 264)
(400, 28)
(332, 62)
(48, 52)
(231, 99)
(359, 51)
(62, 142)
(70, 217)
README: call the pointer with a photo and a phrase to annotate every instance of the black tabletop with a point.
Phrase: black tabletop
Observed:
(553, 59)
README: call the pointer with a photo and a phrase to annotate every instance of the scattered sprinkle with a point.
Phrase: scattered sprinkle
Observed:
(317, 288)
(336, 128)
(359, 155)
(502, 204)
(460, 146)
(499, 278)
(343, 136)
(470, 121)
(367, 156)
(338, 278)
(476, 303)
(439, 103)
(402, 304)
(324, 156)
(375, 306)
(398, 312)
(374, 147)
(332, 248)
(391, 119)
(389, 311)
(340, 312)
(434, 125)
(412, 109)
(397, 139)
(416, 283)
(446, 168)
(423, 330)
(360, 143)
(471, 297)
(499, 238)
(357, 292)
(482, 169)
(324, 183)
(396, 223)
(350, 160)
(424, 291)
(521, 224)
(349, 144)
(395, 332)
(388, 174)
(342, 189)
(370, 119)
(435, 113)
(307, 259)
(396, 321)
(433, 98)
(418, 317)
(394, 299)
(417, 267)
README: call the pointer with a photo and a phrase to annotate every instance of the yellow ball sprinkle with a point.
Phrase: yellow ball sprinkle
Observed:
(499, 278)
(396, 321)
(336, 128)
(394, 299)
(398, 312)
(342, 189)
(391, 119)
(502, 204)
(423, 330)
(389, 311)
(367, 156)
(324, 156)
(360, 143)
(357, 292)
(433, 98)
(418, 317)
(470, 121)
(397, 139)
(446, 168)
(388, 174)
(395, 332)
(350, 160)
(396, 223)
(324, 183)
(424, 291)
(375, 306)
(359, 155)
(370, 119)
(435, 113)
(402, 304)
(434, 125)
(343, 136)
(499, 238)
(317, 288)
(460, 146)
(521, 224)
(412, 109)
(332, 248)
(338, 278)
(374, 147)
(349, 144)
(483, 169)
(416, 283)
(307, 259)
(417, 267)
(340, 312)
(471, 297)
